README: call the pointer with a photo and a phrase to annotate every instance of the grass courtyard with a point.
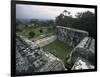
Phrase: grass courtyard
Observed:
(59, 49)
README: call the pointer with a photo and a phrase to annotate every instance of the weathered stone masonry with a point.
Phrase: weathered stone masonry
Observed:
(84, 52)
(30, 58)
(70, 36)
(83, 46)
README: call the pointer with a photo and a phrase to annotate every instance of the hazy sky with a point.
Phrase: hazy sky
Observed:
(44, 12)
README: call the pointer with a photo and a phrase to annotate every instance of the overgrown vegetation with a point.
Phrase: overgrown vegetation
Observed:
(34, 28)
(59, 49)
(31, 34)
(82, 20)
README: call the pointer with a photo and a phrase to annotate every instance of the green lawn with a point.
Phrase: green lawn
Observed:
(59, 49)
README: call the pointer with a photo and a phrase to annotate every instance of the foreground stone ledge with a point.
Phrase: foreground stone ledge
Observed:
(30, 58)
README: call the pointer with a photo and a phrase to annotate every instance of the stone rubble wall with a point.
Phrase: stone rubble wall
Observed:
(54, 63)
(82, 63)
(70, 36)
(22, 64)
(31, 58)
(83, 46)
(85, 49)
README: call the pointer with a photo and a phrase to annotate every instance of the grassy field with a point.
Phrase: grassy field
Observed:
(59, 49)
(25, 31)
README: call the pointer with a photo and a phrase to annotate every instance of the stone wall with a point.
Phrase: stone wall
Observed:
(70, 36)
(31, 58)
(85, 50)
(82, 63)
(45, 41)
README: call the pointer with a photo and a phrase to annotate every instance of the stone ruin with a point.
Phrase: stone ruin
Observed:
(70, 36)
(83, 52)
(83, 55)
(31, 58)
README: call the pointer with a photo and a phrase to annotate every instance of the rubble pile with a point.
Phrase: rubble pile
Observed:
(30, 58)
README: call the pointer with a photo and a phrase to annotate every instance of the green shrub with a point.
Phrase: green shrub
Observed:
(31, 34)
(41, 31)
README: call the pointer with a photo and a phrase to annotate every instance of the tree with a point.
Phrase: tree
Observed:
(31, 34)
(65, 12)
(86, 21)
(83, 21)
(64, 19)
(59, 19)
(41, 31)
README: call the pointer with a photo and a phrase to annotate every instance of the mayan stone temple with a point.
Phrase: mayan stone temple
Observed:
(30, 57)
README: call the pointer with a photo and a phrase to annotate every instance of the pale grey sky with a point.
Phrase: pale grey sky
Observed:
(45, 12)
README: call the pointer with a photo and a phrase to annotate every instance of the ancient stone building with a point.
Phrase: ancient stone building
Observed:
(30, 58)
(83, 55)
(70, 36)
(83, 52)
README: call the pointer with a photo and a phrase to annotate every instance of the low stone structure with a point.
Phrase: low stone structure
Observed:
(82, 63)
(30, 58)
(70, 36)
(83, 47)
(85, 53)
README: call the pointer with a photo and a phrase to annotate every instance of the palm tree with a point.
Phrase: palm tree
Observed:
(65, 12)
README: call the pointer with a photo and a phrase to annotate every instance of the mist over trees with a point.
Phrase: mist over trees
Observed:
(83, 20)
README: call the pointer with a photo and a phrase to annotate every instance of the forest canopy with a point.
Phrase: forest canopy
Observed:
(82, 20)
